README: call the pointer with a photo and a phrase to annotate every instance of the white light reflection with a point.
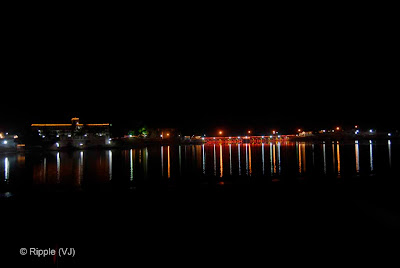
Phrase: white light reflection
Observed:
(262, 158)
(80, 168)
(230, 159)
(162, 160)
(240, 169)
(146, 161)
(215, 162)
(247, 160)
(6, 169)
(279, 157)
(131, 164)
(298, 149)
(45, 169)
(110, 164)
(58, 166)
(390, 153)
(313, 159)
(324, 155)
(274, 156)
(371, 158)
(357, 150)
(270, 158)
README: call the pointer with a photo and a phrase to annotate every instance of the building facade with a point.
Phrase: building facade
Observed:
(75, 134)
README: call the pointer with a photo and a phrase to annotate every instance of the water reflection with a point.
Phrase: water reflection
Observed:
(58, 167)
(215, 162)
(162, 160)
(230, 159)
(169, 164)
(204, 159)
(357, 149)
(44, 169)
(6, 169)
(390, 152)
(239, 162)
(80, 168)
(146, 162)
(221, 164)
(100, 166)
(338, 158)
(371, 158)
(272, 158)
(301, 157)
(109, 164)
(279, 157)
(131, 160)
(324, 156)
(333, 155)
(250, 169)
(262, 159)
(180, 160)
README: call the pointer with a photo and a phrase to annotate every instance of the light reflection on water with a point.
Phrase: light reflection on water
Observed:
(293, 159)
(357, 150)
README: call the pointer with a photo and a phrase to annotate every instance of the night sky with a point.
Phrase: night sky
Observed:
(202, 75)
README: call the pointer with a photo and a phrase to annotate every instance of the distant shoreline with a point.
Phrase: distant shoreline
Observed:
(123, 144)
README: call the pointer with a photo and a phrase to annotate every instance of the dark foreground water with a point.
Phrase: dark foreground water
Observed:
(202, 204)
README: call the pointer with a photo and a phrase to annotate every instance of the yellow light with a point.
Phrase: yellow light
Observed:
(249, 131)
(51, 125)
(93, 125)
(220, 132)
(299, 130)
(337, 128)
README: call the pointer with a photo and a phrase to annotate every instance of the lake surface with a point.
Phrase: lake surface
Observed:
(62, 199)
(269, 161)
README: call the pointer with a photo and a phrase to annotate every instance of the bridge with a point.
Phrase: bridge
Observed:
(247, 139)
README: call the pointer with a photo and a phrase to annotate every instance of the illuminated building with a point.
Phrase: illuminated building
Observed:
(74, 134)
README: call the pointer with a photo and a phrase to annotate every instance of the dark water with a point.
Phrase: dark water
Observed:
(90, 200)
(268, 161)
